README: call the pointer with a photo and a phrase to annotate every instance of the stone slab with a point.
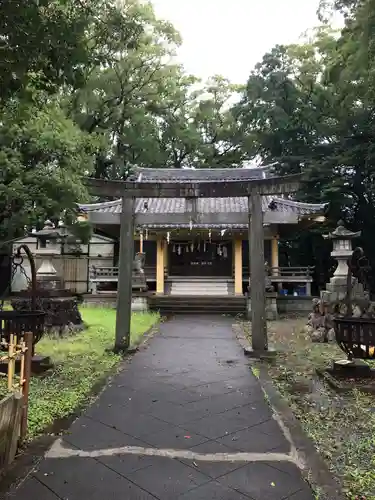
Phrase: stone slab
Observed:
(188, 394)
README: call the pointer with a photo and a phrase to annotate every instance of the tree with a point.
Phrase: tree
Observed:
(49, 49)
(56, 42)
(120, 98)
(42, 158)
(309, 108)
(218, 125)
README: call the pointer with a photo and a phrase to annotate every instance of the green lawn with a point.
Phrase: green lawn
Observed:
(80, 362)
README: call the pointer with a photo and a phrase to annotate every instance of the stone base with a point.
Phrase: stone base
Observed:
(271, 307)
(289, 304)
(345, 384)
(257, 354)
(39, 364)
(352, 369)
(139, 304)
(62, 313)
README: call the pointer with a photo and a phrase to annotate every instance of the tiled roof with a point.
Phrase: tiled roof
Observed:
(230, 205)
(206, 205)
(182, 175)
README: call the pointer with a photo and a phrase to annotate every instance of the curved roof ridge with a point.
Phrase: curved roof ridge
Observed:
(155, 169)
(184, 175)
(301, 204)
(102, 204)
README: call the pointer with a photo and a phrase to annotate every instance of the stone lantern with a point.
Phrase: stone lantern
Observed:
(342, 251)
(49, 239)
(320, 324)
(60, 305)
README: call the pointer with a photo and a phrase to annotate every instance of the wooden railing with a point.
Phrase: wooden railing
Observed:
(106, 274)
(291, 272)
(103, 274)
(300, 274)
(288, 274)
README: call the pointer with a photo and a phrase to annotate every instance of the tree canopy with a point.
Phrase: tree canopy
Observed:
(94, 88)
(308, 108)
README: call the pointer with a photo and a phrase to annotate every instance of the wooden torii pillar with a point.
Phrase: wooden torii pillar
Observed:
(252, 189)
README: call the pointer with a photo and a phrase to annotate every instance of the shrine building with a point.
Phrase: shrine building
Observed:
(200, 247)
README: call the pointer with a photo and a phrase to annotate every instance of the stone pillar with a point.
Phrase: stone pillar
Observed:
(124, 286)
(238, 267)
(257, 274)
(160, 266)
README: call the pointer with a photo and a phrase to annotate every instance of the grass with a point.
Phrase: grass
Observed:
(341, 426)
(80, 362)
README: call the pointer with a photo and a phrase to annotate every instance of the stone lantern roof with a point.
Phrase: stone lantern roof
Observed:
(341, 233)
(49, 232)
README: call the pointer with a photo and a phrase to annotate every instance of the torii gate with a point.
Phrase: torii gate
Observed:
(129, 191)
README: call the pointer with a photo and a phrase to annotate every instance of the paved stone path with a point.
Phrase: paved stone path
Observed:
(186, 420)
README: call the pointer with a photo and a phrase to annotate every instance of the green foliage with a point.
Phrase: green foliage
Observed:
(81, 230)
(49, 43)
(309, 108)
(42, 158)
(49, 48)
(89, 88)
(153, 114)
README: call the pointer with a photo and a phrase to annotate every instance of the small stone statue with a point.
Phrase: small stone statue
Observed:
(139, 263)
(320, 322)
(139, 277)
(268, 283)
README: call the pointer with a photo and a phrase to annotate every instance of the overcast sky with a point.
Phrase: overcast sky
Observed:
(228, 37)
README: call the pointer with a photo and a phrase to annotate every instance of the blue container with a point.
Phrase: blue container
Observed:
(301, 291)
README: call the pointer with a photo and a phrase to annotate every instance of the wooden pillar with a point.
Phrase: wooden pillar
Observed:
(257, 274)
(238, 267)
(275, 256)
(166, 257)
(160, 266)
(124, 285)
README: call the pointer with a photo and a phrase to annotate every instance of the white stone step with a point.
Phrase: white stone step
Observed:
(207, 286)
(204, 288)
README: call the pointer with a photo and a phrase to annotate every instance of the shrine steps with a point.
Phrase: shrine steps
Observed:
(199, 287)
(190, 304)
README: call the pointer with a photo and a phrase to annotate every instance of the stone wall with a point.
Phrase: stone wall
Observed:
(294, 305)
(139, 304)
